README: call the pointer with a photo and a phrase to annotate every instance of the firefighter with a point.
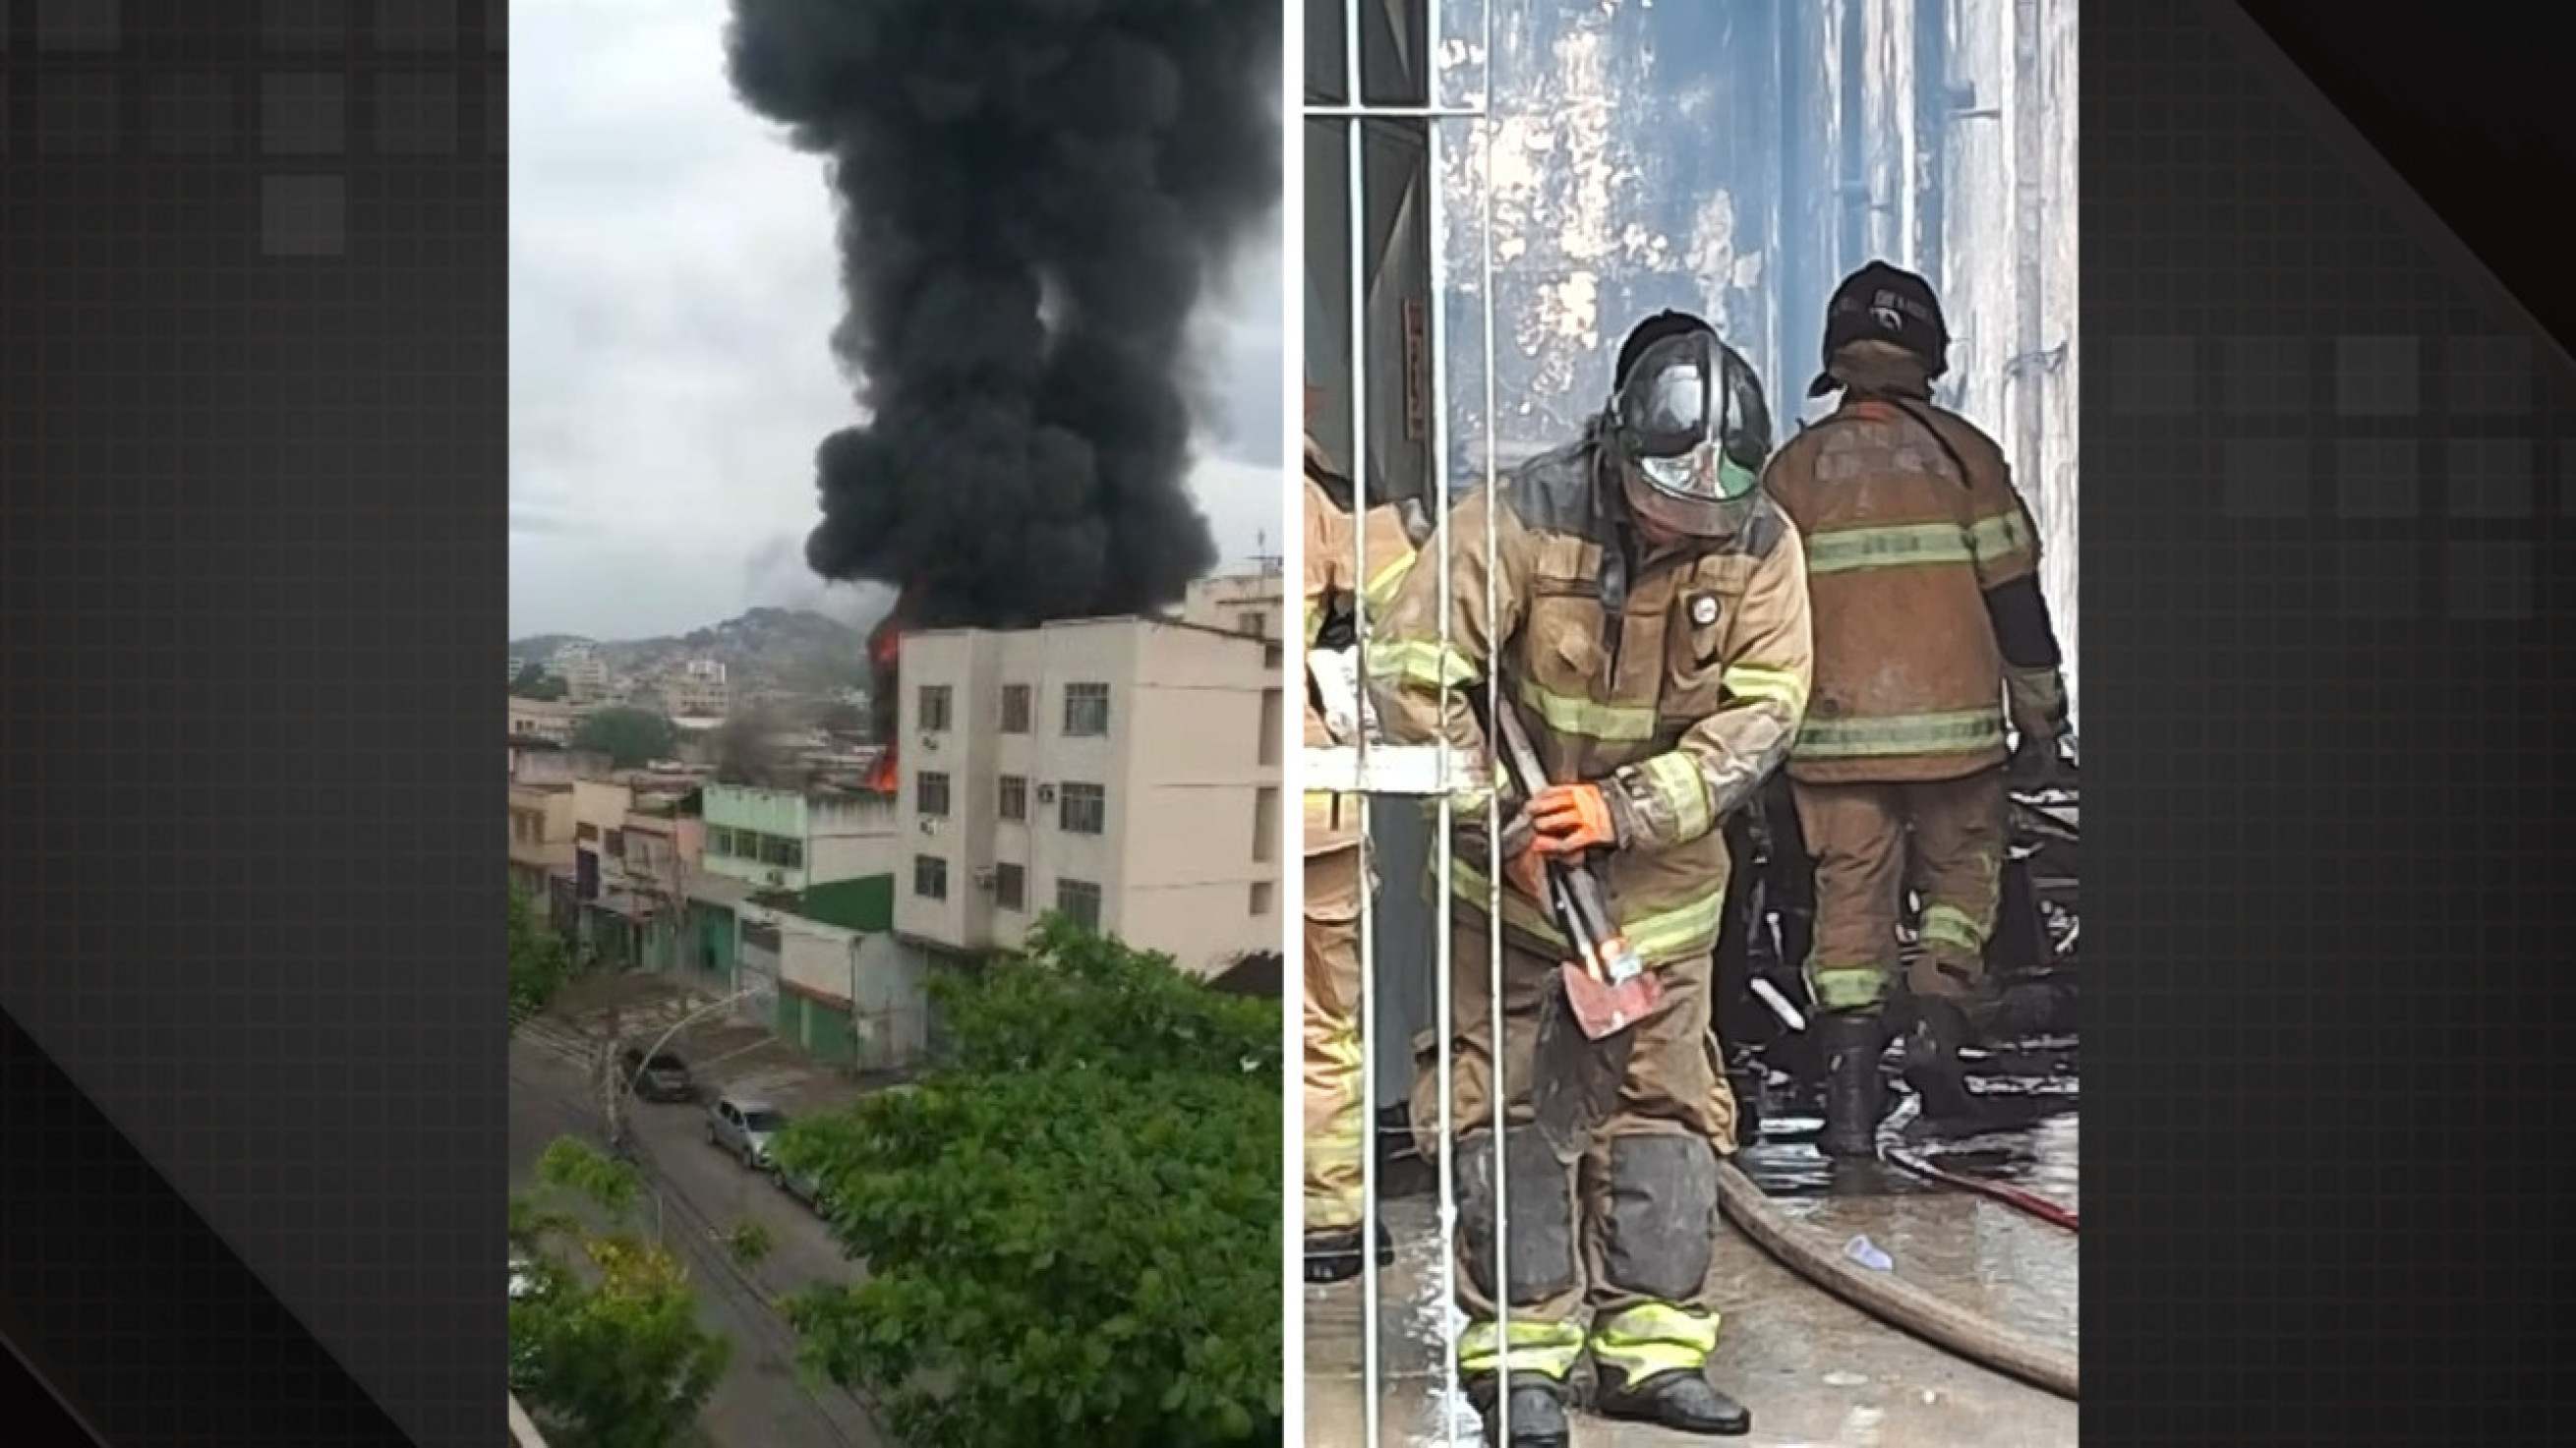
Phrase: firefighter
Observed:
(1922, 563)
(1650, 626)
(1336, 1134)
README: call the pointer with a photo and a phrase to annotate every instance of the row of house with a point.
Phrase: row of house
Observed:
(1122, 771)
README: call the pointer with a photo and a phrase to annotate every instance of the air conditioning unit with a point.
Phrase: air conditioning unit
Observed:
(929, 826)
(930, 743)
(1046, 794)
(776, 878)
(984, 878)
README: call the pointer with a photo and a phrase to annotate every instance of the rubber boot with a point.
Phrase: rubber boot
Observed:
(1932, 1064)
(1538, 1411)
(1852, 1043)
(1681, 1399)
(1334, 1255)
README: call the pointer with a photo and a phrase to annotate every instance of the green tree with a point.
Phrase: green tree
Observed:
(535, 683)
(629, 737)
(540, 962)
(604, 1342)
(1071, 1227)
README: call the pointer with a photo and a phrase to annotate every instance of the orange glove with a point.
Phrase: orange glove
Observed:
(1572, 818)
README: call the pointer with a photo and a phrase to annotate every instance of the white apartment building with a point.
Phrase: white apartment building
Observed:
(1246, 603)
(1124, 771)
(698, 690)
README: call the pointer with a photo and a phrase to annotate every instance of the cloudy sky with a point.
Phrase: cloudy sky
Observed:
(671, 295)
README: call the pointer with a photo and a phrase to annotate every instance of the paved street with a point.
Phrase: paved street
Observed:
(700, 1195)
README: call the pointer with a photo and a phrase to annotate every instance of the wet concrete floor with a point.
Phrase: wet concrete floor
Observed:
(1812, 1369)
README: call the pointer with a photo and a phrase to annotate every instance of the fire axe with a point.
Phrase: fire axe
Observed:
(1604, 990)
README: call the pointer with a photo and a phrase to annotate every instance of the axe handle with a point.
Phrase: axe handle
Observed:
(1582, 907)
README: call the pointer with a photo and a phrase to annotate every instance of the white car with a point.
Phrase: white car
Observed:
(744, 1127)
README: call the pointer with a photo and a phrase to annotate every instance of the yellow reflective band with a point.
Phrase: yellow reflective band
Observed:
(1549, 1349)
(1950, 925)
(1666, 935)
(1313, 623)
(1676, 780)
(1750, 681)
(1964, 732)
(1998, 537)
(1610, 723)
(1654, 1338)
(1847, 987)
(1411, 661)
(1467, 883)
(1905, 545)
(1338, 1049)
(1680, 932)
(1382, 587)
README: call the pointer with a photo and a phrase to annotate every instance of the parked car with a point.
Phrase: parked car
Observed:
(804, 1186)
(663, 1078)
(744, 1127)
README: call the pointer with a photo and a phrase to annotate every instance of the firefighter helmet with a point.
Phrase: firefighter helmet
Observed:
(1691, 433)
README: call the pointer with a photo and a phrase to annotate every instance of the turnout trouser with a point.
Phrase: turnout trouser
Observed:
(1627, 1230)
(1335, 1133)
(1857, 834)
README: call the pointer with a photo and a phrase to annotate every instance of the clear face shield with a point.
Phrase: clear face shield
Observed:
(1672, 422)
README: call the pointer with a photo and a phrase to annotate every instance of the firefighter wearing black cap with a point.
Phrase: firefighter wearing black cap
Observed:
(1931, 635)
(1650, 625)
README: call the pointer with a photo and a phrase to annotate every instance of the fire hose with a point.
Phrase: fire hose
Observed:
(1887, 1297)
(2011, 1196)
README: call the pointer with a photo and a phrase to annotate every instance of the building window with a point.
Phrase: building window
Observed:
(1264, 898)
(719, 840)
(1079, 902)
(616, 844)
(1265, 825)
(782, 852)
(934, 706)
(1082, 809)
(1252, 622)
(1086, 710)
(1010, 887)
(930, 794)
(1014, 804)
(586, 833)
(1273, 704)
(1272, 655)
(930, 877)
(1015, 708)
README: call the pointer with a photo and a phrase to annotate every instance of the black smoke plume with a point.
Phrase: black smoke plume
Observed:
(1032, 194)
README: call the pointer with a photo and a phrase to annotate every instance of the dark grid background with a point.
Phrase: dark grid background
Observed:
(252, 499)
(2326, 521)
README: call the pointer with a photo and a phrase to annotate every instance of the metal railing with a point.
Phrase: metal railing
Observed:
(1366, 769)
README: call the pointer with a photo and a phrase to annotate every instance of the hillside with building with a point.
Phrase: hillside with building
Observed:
(1123, 772)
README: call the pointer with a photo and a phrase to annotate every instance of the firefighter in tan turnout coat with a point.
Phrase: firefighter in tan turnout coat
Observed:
(1336, 1134)
(1922, 563)
(1650, 626)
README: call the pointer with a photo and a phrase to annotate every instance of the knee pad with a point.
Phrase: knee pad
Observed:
(1663, 1215)
(1540, 1194)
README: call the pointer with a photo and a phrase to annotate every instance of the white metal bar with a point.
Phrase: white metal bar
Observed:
(1357, 192)
(1436, 113)
(1501, 1095)
(1420, 770)
(1436, 318)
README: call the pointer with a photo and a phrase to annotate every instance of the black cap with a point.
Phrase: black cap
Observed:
(1666, 323)
(1879, 303)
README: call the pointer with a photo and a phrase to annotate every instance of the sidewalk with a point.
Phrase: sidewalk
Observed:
(1812, 1370)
